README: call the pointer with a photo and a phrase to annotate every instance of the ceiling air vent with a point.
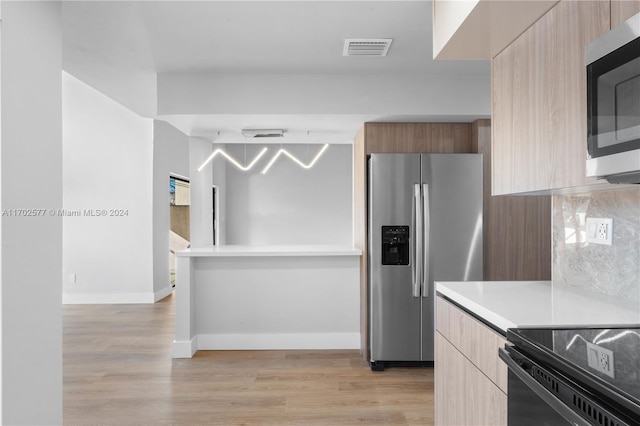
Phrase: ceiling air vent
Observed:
(366, 46)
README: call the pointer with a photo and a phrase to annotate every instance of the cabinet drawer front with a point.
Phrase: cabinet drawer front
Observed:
(464, 396)
(473, 339)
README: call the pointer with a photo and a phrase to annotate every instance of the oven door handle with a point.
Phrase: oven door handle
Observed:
(557, 405)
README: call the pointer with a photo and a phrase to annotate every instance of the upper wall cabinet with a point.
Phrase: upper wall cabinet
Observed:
(480, 29)
(417, 137)
(539, 101)
(621, 10)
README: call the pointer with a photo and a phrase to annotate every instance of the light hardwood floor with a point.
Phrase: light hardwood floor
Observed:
(118, 370)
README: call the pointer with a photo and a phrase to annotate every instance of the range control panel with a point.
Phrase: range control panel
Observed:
(395, 245)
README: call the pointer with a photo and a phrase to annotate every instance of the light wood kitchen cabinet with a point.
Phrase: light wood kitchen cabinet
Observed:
(621, 10)
(417, 137)
(470, 379)
(517, 228)
(539, 101)
(481, 29)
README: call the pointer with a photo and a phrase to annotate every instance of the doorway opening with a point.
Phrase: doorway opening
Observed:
(179, 223)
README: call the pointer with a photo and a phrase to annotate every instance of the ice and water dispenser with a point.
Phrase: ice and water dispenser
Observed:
(395, 245)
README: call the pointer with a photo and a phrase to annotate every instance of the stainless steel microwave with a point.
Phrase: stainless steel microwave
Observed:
(613, 104)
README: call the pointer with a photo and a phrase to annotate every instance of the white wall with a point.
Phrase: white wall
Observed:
(219, 177)
(31, 178)
(201, 215)
(288, 204)
(108, 161)
(170, 155)
(216, 93)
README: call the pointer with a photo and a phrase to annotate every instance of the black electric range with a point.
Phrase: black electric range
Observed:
(574, 376)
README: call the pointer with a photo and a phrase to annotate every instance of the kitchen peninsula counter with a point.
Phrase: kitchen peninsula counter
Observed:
(267, 297)
(275, 250)
(510, 304)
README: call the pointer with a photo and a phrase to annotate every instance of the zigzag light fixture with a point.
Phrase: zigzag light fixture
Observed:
(291, 156)
(232, 160)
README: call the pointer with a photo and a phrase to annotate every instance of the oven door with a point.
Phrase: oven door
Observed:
(529, 402)
(542, 397)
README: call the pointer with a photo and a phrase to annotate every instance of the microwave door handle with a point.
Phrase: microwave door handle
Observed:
(553, 402)
(426, 276)
(417, 240)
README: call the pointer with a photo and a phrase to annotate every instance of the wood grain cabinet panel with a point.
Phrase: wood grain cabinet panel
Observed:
(473, 339)
(539, 101)
(360, 230)
(417, 137)
(621, 10)
(463, 394)
(470, 379)
(517, 228)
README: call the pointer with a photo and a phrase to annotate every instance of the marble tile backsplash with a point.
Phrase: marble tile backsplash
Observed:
(613, 270)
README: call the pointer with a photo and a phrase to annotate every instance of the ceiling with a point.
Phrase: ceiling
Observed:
(125, 48)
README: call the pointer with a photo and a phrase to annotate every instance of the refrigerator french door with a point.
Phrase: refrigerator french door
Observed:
(424, 225)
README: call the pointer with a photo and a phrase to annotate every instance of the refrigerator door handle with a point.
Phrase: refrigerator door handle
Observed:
(425, 242)
(417, 264)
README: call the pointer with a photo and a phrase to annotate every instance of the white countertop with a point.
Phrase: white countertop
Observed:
(508, 304)
(275, 250)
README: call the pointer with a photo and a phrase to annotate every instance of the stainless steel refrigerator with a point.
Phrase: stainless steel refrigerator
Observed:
(424, 225)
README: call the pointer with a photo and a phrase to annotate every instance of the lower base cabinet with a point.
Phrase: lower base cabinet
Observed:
(470, 379)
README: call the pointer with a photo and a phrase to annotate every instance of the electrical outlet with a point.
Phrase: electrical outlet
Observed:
(600, 230)
(600, 359)
(603, 360)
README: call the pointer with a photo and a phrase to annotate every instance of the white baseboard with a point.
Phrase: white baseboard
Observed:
(184, 348)
(107, 298)
(161, 294)
(114, 298)
(278, 341)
